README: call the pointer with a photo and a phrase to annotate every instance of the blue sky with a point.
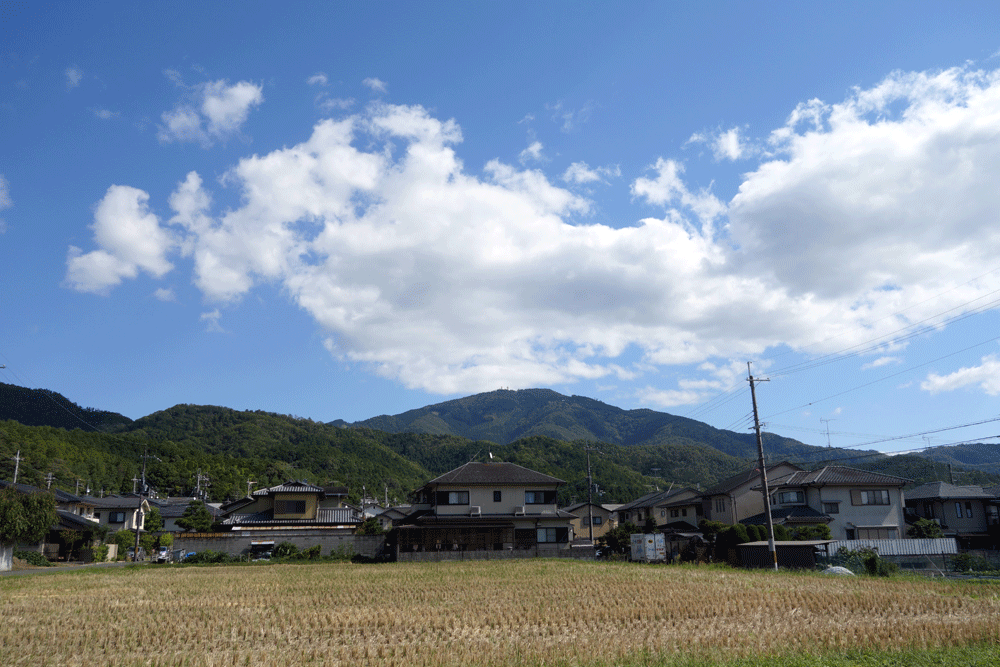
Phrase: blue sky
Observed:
(340, 210)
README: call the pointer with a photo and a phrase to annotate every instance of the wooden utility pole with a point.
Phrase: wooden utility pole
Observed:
(17, 465)
(763, 469)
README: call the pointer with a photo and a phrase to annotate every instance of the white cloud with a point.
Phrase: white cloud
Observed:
(581, 173)
(213, 111)
(532, 153)
(212, 319)
(881, 361)
(725, 145)
(5, 200)
(376, 85)
(317, 79)
(327, 103)
(130, 240)
(570, 120)
(458, 279)
(165, 294)
(986, 376)
(105, 114)
(73, 77)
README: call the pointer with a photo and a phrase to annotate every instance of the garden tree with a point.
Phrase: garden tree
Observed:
(650, 525)
(154, 521)
(370, 526)
(925, 529)
(619, 539)
(124, 539)
(196, 517)
(25, 517)
(812, 532)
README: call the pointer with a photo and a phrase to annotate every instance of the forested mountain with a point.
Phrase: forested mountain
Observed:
(41, 407)
(504, 416)
(631, 451)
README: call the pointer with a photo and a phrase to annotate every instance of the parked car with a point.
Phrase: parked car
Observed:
(131, 554)
(163, 555)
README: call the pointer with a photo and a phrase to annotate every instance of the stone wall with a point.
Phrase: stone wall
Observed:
(237, 543)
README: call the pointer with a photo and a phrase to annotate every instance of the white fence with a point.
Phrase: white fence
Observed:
(944, 546)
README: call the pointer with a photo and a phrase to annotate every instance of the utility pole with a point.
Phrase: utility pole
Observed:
(763, 469)
(590, 498)
(48, 481)
(250, 483)
(827, 431)
(17, 465)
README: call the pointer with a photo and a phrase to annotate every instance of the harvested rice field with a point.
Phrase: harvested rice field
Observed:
(489, 613)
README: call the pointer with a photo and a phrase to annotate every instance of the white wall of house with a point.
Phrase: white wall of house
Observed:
(511, 499)
(863, 519)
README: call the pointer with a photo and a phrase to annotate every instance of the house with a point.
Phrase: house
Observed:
(119, 512)
(292, 504)
(970, 514)
(673, 506)
(855, 504)
(75, 526)
(604, 519)
(486, 507)
(734, 499)
(173, 508)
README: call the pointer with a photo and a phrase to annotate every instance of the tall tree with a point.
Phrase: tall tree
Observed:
(196, 517)
(25, 517)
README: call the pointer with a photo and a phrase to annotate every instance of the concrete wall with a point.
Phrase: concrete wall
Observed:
(6, 557)
(504, 554)
(237, 542)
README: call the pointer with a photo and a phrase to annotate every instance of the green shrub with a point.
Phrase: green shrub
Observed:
(344, 553)
(101, 553)
(285, 550)
(209, 556)
(32, 558)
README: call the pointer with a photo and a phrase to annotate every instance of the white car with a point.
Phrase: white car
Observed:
(163, 555)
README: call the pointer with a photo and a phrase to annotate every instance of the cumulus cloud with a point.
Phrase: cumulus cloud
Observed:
(212, 321)
(165, 294)
(212, 111)
(130, 239)
(317, 79)
(73, 77)
(457, 279)
(986, 376)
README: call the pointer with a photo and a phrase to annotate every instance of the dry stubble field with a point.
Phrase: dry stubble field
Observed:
(530, 612)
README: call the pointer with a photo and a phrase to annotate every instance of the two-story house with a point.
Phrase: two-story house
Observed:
(601, 518)
(855, 504)
(486, 507)
(291, 505)
(734, 499)
(970, 514)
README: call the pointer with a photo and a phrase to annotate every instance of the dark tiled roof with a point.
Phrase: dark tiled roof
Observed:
(70, 521)
(494, 474)
(945, 491)
(836, 475)
(113, 502)
(329, 516)
(727, 485)
(290, 487)
(61, 496)
(656, 499)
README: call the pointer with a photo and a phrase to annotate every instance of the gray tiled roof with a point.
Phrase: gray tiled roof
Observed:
(494, 474)
(837, 475)
(945, 491)
(290, 487)
(324, 516)
(727, 485)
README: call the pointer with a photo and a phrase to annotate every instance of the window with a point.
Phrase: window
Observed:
(968, 510)
(97, 515)
(876, 533)
(674, 514)
(598, 520)
(497, 495)
(872, 497)
(452, 497)
(539, 497)
(289, 507)
(116, 517)
(831, 508)
(791, 497)
(720, 505)
(928, 510)
(958, 509)
(552, 535)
